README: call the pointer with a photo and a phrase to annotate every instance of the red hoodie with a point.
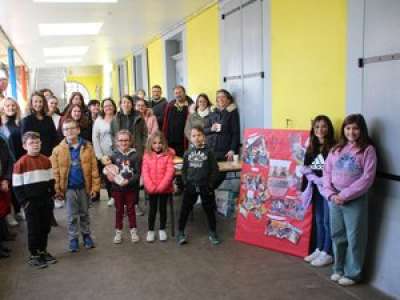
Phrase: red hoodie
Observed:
(158, 172)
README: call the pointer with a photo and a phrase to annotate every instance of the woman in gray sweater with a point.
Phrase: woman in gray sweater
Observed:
(199, 114)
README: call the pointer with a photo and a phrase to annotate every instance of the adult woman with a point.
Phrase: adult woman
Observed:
(148, 116)
(54, 112)
(102, 139)
(131, 120)
(75, 112)
(38, 121)
(200, 114)
(223, 128)
(76, 98)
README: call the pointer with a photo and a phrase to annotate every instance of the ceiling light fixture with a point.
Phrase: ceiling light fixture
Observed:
(63, 60)
(65, 51)
(69, 29)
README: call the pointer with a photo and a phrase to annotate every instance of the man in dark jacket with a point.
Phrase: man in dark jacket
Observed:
(157, 104)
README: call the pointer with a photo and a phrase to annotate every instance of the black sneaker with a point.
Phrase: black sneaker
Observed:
(48, 258)
(37, 261)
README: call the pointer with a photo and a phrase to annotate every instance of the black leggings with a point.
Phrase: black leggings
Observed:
(158, 200)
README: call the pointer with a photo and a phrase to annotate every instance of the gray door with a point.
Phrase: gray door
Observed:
(242, 61)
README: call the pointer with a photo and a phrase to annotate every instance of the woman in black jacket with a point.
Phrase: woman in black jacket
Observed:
(222, 127)
(38, 121)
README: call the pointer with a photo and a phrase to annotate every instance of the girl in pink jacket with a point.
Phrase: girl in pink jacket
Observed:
(349, 172)
(158, 173)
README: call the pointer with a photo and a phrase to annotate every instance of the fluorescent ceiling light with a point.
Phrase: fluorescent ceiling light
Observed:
(63, 60)
(65, 51)
(70, 28)
(76, 1)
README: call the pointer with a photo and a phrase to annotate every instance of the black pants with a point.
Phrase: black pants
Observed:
(158, 201)
(3, 229)
(190, 195)
(38, 216)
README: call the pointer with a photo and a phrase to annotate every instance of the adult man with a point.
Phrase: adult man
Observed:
(157, 104)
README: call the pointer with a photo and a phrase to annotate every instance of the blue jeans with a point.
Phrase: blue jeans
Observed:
(77, 203)
(349, 225)
(322, 222)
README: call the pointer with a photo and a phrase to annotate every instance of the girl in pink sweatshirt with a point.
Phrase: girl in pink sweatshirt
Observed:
(349, 172)
(158, 173)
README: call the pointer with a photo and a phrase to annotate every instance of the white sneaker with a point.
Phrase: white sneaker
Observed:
(134, 236)
(344, 281)
(139, 211)
(336, 277)
(11, 220)
(118, 237)
(151, 236)
(323, 259)
(21, 215)
(312, 256)
(162, 234)
(58, 203)
(110, 202)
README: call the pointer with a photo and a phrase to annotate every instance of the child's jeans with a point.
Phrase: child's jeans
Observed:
(207, 200)
(323, 240)
(349, 229)
(158, 200)
(38, 216)
(77, 203)
(127, 198)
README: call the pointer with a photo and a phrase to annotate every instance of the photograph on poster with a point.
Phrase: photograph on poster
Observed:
(255, 151)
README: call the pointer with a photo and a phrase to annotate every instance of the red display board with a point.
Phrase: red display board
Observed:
(271, 212)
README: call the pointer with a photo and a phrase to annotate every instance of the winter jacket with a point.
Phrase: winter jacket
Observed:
(102, 138)
(158, 172)
(61, 161)
(136, 126)
(228, 139)
(349, 173)
(12, 132)
(46, 129)
(129, 166)
(194, 120)
(200, 167)
(178, 133)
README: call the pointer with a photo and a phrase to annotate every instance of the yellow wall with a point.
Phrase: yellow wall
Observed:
(91, 82)
(308, 60)
(115, 83)
(131, 82)
(203, 53)
(156, 65)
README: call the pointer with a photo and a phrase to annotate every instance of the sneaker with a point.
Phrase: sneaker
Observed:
(118, 237)
(336, 277)
(312, 256)
(74, 245)
(11, 220)
(134, 236)
(162, 235)
(88, 242)
(37, 261)
(344, 281)
(20, 216)
(139, 211)
(213, 237)
(323, 259)
(48, 258)
(110, 202)
(151, 236)
(58, 203)
(181, 238)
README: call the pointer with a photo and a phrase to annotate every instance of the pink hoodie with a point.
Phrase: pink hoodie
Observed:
(151, 122)
(348, 173)
(158, 172)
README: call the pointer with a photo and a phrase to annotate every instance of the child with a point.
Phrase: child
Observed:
(125, 179)
(199, 173)
(321, 141)
(77, 178)
(5, 194)
(349, 172)
(158, 173)
(33, 184)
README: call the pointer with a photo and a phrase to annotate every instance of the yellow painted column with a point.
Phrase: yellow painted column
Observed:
(156, 64)
(203, 53)
(308, 61)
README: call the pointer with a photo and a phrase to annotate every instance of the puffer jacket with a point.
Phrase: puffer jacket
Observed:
(228, 139)
(158, 172)
(61, 160)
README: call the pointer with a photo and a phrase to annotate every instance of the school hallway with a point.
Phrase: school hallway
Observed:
(198, 270)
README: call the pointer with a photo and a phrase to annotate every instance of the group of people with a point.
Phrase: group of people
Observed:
(59, 159)
(51, 158)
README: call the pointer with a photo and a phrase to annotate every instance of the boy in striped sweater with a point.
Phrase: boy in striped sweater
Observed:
(33, 183)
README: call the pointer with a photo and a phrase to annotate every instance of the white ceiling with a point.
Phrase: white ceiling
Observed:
(128, 24)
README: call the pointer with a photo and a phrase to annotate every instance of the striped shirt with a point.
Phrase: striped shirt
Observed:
(33, 178)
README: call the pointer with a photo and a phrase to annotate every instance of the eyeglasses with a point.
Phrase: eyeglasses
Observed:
(69, 128)
(124, 141)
